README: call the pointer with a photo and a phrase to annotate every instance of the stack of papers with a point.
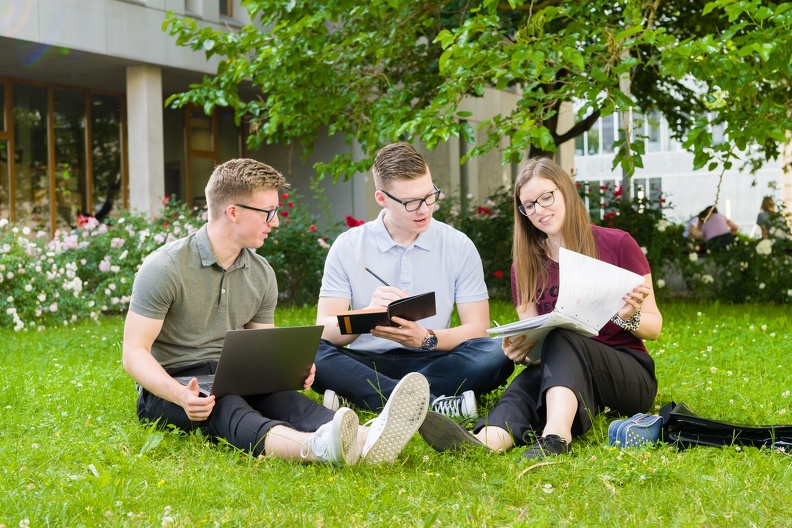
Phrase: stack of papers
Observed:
(590, 293)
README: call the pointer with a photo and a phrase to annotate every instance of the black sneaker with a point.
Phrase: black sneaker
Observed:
(444, 434)
(546, 446)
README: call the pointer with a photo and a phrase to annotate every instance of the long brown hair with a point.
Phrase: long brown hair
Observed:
(529, 249)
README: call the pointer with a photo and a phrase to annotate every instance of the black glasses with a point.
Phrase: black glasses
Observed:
(269, 212)
(414, 205)
(545, 200)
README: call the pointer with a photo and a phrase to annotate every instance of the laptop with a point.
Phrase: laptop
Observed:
(261, 361)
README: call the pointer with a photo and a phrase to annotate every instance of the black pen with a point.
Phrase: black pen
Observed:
(376, 276)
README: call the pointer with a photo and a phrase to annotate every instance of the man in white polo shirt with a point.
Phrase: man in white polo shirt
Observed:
(405, 248)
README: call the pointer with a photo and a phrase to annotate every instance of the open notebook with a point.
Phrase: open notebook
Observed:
(590, 293)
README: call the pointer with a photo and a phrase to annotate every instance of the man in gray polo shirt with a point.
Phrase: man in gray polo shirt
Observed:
(406, 252)
(190, 292)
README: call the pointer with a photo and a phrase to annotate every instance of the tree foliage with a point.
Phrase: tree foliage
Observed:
(387, 70)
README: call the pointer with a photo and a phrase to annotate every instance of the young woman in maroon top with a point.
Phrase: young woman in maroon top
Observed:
(553, 399)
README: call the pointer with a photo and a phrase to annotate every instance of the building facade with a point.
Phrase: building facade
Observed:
(84, 129)
(668, 169)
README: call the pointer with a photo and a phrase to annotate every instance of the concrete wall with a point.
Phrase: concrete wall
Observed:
(126, 29)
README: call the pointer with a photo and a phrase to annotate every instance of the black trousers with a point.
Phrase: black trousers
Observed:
(243, 421)
(620, 379)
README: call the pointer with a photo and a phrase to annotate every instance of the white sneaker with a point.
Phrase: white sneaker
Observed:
(400, 419)
(333, 401)
(462, 406)
(335, 442)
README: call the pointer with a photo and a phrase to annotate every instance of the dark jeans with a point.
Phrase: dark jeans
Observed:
(367, 379)
(620, 379)
(242, 421)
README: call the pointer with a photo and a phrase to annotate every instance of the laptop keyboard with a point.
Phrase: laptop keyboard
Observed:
(206, 385)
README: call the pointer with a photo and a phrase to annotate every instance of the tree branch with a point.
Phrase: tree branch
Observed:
(577, 129)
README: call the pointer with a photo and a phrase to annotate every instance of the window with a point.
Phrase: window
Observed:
(593, 139)
(106, 148)
(64, 158)
(653, 132)
(31, 169)
(608, 133)
(227, 8)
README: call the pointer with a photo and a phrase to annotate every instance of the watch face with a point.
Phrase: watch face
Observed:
(430, 342)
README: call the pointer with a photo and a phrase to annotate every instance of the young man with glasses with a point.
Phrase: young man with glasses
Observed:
(407, 253)
(190, 292)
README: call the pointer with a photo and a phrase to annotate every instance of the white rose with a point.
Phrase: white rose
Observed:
(764, 247)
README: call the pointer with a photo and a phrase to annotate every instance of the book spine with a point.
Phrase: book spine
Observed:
(347, 325)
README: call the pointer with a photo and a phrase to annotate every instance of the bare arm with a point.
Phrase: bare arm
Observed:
(139, 334)
(732, 226)
(326, 312)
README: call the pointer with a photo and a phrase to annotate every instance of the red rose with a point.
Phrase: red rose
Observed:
(284, 196)
(484, 210)
(498, 274)
(284, 214)
(166, 200)
(618, 191)
(291, 204)
(351, 221)
(164, 224)
(610, 215)
(312, 228)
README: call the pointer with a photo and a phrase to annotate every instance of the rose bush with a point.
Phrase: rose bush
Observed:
(81, 273)
(89, 271)
(489, 224)
(298, 248)
(748, 270)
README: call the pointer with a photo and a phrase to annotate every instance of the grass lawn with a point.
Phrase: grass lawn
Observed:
(72, 452)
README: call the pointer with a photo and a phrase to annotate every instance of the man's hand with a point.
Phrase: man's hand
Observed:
(198, 408)
(407, 334)
(384, 295)
(518, 348)
(310, 379)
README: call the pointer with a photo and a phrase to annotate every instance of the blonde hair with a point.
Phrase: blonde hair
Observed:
(237, 180)
(398, 161)
(529, 249)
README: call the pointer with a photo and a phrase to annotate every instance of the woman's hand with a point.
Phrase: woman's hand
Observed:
(634, 301)
(517, 349)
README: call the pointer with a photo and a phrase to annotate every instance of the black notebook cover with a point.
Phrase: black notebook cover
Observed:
(412, 308)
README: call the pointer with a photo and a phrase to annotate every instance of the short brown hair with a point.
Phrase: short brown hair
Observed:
(237, 180)
(398, 161)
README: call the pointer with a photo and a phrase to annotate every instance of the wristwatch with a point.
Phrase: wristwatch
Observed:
(430, 341)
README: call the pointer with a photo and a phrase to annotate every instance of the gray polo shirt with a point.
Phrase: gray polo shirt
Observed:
(182, 284)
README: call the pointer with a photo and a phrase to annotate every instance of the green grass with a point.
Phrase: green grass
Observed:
(72, 452)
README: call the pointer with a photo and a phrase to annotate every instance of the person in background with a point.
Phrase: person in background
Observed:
(190, 292)
(772, 223)
(714, 229)
(412, 253)
(554, 398)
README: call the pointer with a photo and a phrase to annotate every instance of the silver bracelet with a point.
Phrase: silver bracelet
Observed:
(630, 324)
